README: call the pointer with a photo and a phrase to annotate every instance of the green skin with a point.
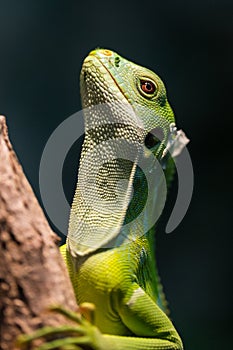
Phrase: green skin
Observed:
(122, 281)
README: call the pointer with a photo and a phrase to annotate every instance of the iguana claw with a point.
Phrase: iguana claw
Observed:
(66, 337)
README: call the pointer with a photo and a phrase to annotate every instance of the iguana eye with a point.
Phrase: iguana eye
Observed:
(147, 86)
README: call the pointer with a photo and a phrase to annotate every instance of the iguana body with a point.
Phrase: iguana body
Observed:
(115, 268)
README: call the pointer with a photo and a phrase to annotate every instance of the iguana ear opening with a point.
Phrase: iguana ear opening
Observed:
(154, 138)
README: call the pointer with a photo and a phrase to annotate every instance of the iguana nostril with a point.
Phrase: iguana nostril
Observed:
(117, 61)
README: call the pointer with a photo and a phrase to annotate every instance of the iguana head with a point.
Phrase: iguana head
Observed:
(107, 77)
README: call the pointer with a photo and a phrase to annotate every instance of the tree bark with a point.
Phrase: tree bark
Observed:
(33, 275)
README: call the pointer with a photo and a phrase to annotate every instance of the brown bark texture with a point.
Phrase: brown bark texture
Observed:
(33, 275)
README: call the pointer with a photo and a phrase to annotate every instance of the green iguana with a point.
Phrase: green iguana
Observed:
(129, 127)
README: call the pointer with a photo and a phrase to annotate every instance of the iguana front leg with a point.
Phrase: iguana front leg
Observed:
(139, 313)
(147, 321)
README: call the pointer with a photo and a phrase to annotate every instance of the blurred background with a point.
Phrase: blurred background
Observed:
(189, 44)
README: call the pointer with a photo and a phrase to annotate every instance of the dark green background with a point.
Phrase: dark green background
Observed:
(189, 44)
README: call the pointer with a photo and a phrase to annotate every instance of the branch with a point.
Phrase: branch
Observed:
(33, 275)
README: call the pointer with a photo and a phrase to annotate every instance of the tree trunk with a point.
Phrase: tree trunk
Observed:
(33, 275)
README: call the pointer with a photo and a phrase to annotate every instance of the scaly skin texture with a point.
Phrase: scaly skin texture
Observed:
(121, 280)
